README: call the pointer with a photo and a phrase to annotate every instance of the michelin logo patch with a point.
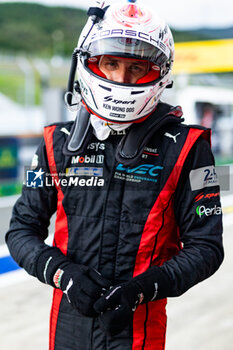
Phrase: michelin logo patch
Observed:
(84, 171)
(203, 177)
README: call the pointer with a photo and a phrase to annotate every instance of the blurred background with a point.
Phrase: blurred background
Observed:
(37, 39)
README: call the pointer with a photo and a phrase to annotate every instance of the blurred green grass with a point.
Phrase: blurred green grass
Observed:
(12, 85)
(10, 188)
(12, 79)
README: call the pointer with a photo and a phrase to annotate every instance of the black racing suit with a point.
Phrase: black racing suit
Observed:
(121, 220)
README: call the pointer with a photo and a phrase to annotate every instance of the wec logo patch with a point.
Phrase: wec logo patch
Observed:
(145, 169)
(141, 173)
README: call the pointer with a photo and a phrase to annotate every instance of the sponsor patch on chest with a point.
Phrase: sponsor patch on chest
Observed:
(143, 172)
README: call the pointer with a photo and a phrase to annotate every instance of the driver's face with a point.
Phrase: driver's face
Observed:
(123, 70)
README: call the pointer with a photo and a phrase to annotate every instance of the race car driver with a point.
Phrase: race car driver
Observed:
(135, 191)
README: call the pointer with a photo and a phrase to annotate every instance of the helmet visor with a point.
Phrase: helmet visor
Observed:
(127, 47)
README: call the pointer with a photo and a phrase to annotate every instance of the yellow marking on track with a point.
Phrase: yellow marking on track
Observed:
(228, 210)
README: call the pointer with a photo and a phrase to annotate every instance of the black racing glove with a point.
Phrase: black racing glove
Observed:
(116, 307)
(82, 285)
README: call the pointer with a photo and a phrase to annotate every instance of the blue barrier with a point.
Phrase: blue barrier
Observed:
(7, 264)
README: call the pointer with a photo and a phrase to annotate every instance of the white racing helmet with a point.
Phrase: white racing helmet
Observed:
(127, 30)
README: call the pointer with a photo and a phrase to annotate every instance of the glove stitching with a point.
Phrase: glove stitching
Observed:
(156, 291)
(46, 268)
(112, 292)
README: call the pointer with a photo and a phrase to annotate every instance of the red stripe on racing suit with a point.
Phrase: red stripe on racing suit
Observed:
(149, 323)
(61, 230)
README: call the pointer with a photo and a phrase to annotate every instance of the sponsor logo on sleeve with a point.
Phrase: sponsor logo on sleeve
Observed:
(203, 177)
(206, 196)
(202, 210)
